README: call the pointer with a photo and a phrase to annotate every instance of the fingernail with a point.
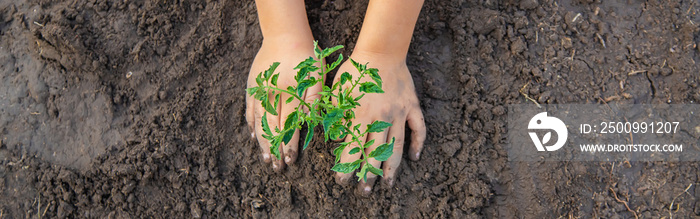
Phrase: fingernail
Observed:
(340, 179)
(287, 159)
(266, 157)
(252, 135)
(388, 182)
(278, 165)
(368, 189)
(417, 155)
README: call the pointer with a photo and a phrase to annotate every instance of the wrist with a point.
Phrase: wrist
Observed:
(283, 22)
(289, 42)
(364, 55)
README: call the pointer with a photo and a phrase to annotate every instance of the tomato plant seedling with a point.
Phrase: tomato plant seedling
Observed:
(336, 119)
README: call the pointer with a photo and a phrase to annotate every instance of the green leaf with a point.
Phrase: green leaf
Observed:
(349, 115)
(265, 125)
(289, 100)
(360, 67)
(326, 100)
(335, 132)
(260, 94)
(341, 99)
(271, 70)
(287, 136)
(251, 90)
(268, 106)
(337, 151)
(291, 121)
(374, 170)
(346, 167)
(369, 87)
(359, 97)
(313, 118)
(383, 152)
(274, 79)
(303, 85)
(277, 100)
(362, 175)
(351, 102)
(311, 68)
(309, 135)
(304, 68)
(275, 148)
(369, 143)
(328, 51)
(345, 77)
(306, 63)
(259, 80)
(374, 74)
(378, 126)
(336, 63)
(355, 150)
(317, 50)
(268, 137)
(301, 74)
(336, 87)
(332, 117)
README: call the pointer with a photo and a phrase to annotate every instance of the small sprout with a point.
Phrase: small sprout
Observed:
(336, 119)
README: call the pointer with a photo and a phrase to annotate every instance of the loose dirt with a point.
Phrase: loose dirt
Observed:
(135, 108)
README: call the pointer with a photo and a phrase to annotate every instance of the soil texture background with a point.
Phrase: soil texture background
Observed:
(135, 108)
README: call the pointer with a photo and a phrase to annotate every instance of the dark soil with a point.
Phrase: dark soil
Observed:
(136, 109)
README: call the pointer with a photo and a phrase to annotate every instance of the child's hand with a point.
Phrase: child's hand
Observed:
(289, 52)
(397, 105)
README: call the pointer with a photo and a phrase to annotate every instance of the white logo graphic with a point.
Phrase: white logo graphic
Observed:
(542, 121)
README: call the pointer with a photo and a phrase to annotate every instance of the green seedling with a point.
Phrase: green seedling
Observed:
(335, 118)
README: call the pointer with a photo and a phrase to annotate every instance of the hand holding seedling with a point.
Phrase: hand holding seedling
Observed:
(334, 110)
(366, 97)
(397, 105)
(288, 57)
(383, 43)
(287, 40)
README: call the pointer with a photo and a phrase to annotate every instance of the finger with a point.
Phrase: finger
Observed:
(250, 114)
(274, 122)
(379, 138)
(345, 156)
(277, 164)
(390, 166)
(290, 149)
(262, 142)
(417, 124)
(311, 94)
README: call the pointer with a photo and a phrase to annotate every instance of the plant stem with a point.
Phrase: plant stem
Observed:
(362, 74)
(356, 138)
(290, 93)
